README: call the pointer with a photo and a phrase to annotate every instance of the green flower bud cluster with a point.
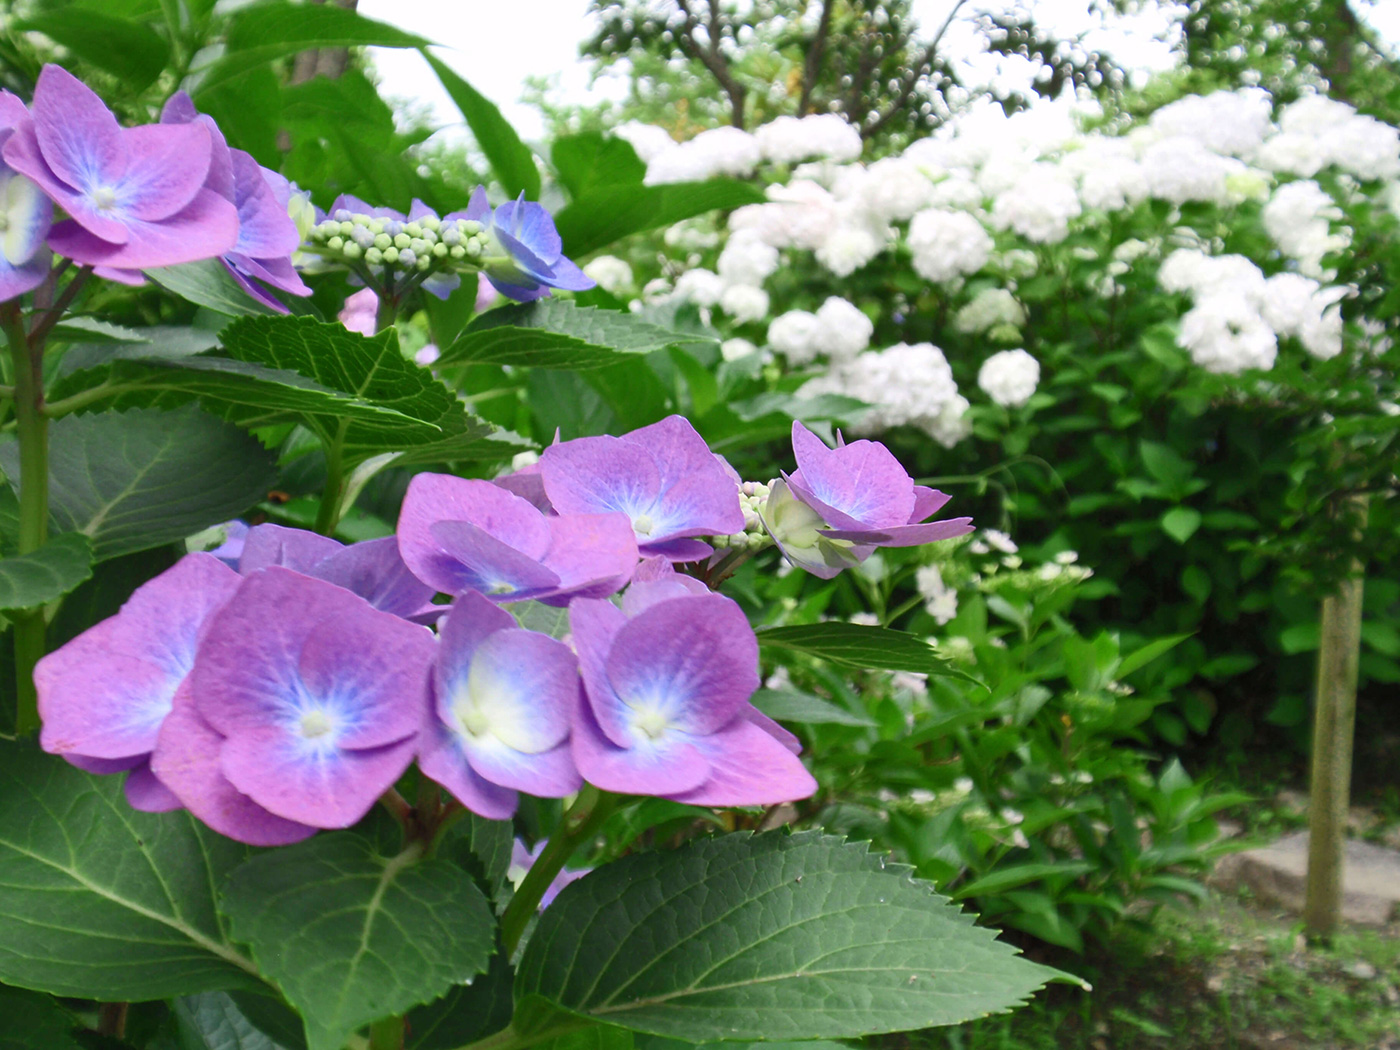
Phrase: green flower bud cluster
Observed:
(393, 248)
(753, 497)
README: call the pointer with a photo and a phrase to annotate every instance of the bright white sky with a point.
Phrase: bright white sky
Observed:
(496, 44)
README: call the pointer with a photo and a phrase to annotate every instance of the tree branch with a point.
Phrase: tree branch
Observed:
(712, 58)
(814, 57)
(911, 78)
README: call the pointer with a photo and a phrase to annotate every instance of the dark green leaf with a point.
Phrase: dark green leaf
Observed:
(212, 1021)
(1148, 653)
(1018, 875)
(272, 1017)
(554, 333)
(350, 936)
(597, 219)
(767, 937)
(161, 343)
(27, 580)
(860, 647)
(130, 51)
(592, 161)
(466, 1013)
(511, 160)
(788, 705)
(483, 848)
(208, 283)
(34, 1022)
(139, 479)
(100, 901)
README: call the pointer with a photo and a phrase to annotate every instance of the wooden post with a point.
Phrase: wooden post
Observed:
(1334, 726)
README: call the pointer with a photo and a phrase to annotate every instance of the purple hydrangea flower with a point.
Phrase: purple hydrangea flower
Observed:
(523, 859)
(668, 710)
(104, 695)
(842, 503)
(526, 257)
(663, 477)
(317, 697)
(459, 534)
(136, 197)
(25, 215)
(371, 569)
(505, 700)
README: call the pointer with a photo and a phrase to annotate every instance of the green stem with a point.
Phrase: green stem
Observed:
(32, 430)
(333, 495)
(386, 1034)
(578, 825)
(387, 313)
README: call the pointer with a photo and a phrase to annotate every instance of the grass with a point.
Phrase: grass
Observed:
(1225, 976)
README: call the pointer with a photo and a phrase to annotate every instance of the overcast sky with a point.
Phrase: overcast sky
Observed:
(496, 44)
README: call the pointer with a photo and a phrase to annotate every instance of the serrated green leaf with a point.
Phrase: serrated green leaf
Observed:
(483, 848)
(860, 647)
(767, 937)
(208, 283)
(27, 580)
(349, 936)
(428, 423)
(466, 1013)
(91, 330)
(596, 219)
(511, 160)
(133, 480)
(100, 901)
(213, 1021)
(35, 1022)
(554, 333)
(132, 52)
(788, 705)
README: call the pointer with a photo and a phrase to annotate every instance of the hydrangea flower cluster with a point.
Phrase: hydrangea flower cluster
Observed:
(284, 682)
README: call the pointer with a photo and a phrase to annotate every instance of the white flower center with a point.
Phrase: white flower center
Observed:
(651, 722)
(642, 524)
(316, 724)
(104, 198)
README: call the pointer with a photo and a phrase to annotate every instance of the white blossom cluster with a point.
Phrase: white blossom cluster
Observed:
(905, 385)
(1009, 377)
(838, 330)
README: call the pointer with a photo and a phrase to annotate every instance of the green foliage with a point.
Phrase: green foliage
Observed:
(598, 218)
(35, 1022)
(27, 580)
(212, 1021)
(349, 936)
(767, 937)
(97, 900)
(858, 647)
(511, 160)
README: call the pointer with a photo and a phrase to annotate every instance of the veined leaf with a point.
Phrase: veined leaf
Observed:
(208, 283)
(27, 580)
(511, 160)
(132, 52)
(860, 647)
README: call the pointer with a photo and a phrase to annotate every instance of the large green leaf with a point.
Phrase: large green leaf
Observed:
(789, 705)
(139, 479)
(350, 936)
(859, 647)
(132, 52)
(34, 1022)
(429, 424)
(483, 848)
(213, 1021)
(767, 937)
(591, 161)
(262, 32)
(554, 333)
(102, 902)
(466, 1013)
(598, 218)
(208, 283)
(511, 160)
(27, 580)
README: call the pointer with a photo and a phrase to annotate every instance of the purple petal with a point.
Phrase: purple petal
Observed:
(905, 535)
(777, 732)
(670, 766)
(927, 502)
(748, 767)
(373, 570)
(703, 503)
(641, 595)
(265, 230)
(256, 291)
(186, 760)
(593, 554)
(329, 788)
(529, 486)
(473, 559)
(440, 759)
(478, 208)
(861, 485)
(676, 448)
(565, 275)
(144, 791)
(679, 551)
(16, 280)
(166, 166)
(105, 693)
(179, 109)
(29, 214)
(23, 153)
(593, 475)
(531, 225)
(295, 549)
(206, 229)
(471, 619)
(691, 661)
(518, 689)
(594, 624)
(13, 111)
(105, 766)
(79, 139)
(549, 774)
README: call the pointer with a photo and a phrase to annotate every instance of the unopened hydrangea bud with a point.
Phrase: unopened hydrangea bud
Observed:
(402, 241)
(407, 258)
(383, 241)
(391, 254)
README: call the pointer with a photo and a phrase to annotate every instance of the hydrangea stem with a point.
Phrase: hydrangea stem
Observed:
(32, 431)
(332, 496)
(578, 825)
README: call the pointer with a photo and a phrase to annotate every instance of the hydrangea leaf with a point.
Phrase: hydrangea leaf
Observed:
(213, 1021)
(466, 1013)
(859, 647)
(208, 283)
(554, 333)
(35, 1022)
(134, 480)
(767, 937)
(511, 160)
(131, 51)
(100, 901)
(37, 578)
(483, 848)
(350, 936)
(596, 219)
(429, 424)
(592, 161)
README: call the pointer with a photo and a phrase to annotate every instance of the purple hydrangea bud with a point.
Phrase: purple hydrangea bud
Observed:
(842, 503)
(523, 859)
(136, 197)
(459, 534)
(668, 710)
(104, 695)
(663, 477)
(526, 256)
(25, 215)
(317, 697)
(505, 700)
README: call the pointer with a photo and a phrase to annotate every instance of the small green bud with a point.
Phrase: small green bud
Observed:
(473, 248)
(374, 256)
(351, 250)
(431, 223)
(383, 241)
(440, 250)
(457, 252)
(402, 241)
(391, 255)
(346, 229)
(376, 226)
(335, 244)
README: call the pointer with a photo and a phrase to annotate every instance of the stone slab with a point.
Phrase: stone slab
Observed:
(1279, 873)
